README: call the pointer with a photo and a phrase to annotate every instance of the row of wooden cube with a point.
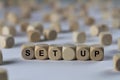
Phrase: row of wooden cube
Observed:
(65, 52)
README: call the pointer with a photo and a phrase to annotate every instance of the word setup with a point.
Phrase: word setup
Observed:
(63, 52)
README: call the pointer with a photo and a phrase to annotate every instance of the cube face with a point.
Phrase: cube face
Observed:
(96, 53)
(83, 53)
(55, 53)
(68, 52)
(28, 52)
(41, 52)
(10, 42)
(105, 38)
(94, 30)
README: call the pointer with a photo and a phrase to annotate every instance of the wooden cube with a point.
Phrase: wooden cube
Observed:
(41, 51)
(106, 15)
(89, 21)
(50, 34)
(68, 52)
(35, 26)
(26, 12)
(28, 51)
(115, 13)
(73, 25)
(7, 41)
(46, 17)
(95, 30)
(83, 13)
(83, 52)
(1, 57)
(79, 37)
(3, 74)
(56, 26)
(34, 36)
(9, 30)
(119, 43)
(105, 38)
(55, 17)
(116, 23)
(24, 26)
(96, 52)
(55, 52)
(116, 61)
(12, 18)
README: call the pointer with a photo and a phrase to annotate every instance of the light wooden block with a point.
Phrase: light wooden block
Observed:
(35, 26)
(24, 26)
(83, 13)
(96, 52)
(116, 61)
(56, 26)
(73, 25)
(116, 23)
(12, 18)
(9, 30)
(26, 12)
(83, 52)
(3, 74)
(41, 51)
(119, 43)
(7, 41)
(28, 51)
(46, 17)
(34, 36)
(50, 34)
(79, 37)
(115, 13)
(72, 18)
(1, 57)
(68, 52)
(55, 52)
(55, 17)
(95, 30)
(106, 15)
(105, 38)
(89, 21)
